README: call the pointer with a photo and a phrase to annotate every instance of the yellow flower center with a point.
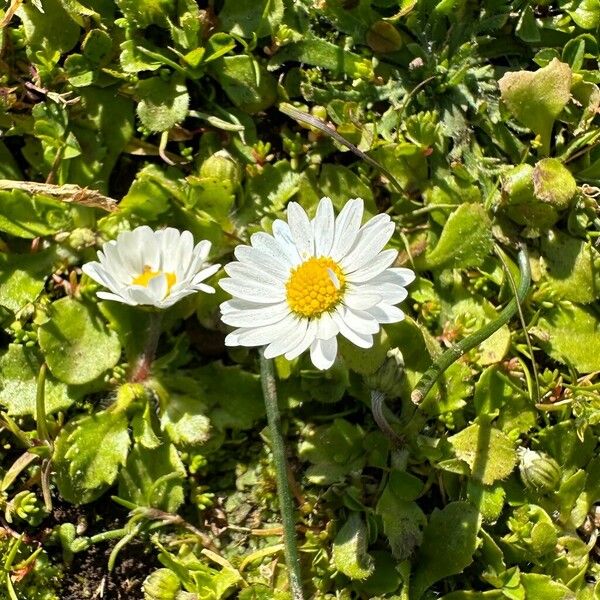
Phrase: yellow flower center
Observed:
(315, 287)
(148, 275)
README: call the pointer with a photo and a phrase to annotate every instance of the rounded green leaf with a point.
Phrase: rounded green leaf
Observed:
(76, 344)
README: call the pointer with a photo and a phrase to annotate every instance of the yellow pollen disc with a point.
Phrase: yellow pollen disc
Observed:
(315, 287)
(148, 275)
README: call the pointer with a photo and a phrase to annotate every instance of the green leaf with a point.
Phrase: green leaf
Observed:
(153, 477)
(22, 277)
(321, 53)
(544, 587)
(350, 555)
(163, 104)
(247, 19)
(571, 335)
(570, 268)
(466, 239)
(76, 344)
(402, 518)
(537, 98)
(88, 453)
(142, 13)
(449, 542)
(184, 420)
(247, 83)
(41, 30)
(586, 14)
(489, 453)
(19, 368)
(32, 215)
(334, 450)
(234, 395)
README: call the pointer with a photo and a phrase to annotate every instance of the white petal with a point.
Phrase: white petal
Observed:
(123, 269)
(323, 353)
(260, 336)
(359, 321)
(99, 274)
(204, 274)
(268, 244)
(174, 298)
(286, 343)
(283, 236)
(256, 317)
(324, 227)
(326, 327)
(359, 339)
(158, 286)
(405, 276)
(175, 250)
(305, 342)
(253, 290)
(347, 225)
(207, 289)
(386, 313)
(301, 230)
(370, 241)
(115, 298)
(387, 292)
(374, 267)
(245, 271)
(254, 256)
(359, 298)
(141, 295)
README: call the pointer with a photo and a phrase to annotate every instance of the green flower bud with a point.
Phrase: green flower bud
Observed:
(27, 507)
(163, 584)
(389, 377)
(221, 168)
(383, 37)
(539, 471)
(535, 196)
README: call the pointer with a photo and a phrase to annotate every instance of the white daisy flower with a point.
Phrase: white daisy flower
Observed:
(153, 268)
(310, 280)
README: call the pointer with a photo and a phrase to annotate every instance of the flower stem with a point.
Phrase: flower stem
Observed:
(444, 360)
(142, 368)
(283, 487)
(378, 408)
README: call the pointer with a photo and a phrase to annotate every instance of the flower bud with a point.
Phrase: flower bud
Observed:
(535, 196)
(389, 377)
(539, 471)
(223, 169)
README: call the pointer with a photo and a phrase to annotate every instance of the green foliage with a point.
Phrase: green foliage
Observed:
(480, 124)
(77, 346)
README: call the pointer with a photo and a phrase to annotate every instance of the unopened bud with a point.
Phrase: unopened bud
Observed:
(388, 378)
(222, 168)
(535, 196)
(539, 471)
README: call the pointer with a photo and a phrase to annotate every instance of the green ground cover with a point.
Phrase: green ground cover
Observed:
(475, 126)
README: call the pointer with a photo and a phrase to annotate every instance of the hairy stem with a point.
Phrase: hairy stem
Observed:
(144, 363)
(377, 408)
(283, 487)
(444, 360)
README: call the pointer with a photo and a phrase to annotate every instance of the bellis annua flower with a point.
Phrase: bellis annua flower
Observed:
(312, 280)
(153, 268)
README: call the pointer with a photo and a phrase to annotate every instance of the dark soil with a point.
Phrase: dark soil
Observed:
(87, 577)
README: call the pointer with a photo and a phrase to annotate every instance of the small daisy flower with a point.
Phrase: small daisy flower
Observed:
(312, 280)
(152, 268)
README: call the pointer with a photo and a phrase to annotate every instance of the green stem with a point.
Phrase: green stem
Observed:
(283, 486)
(378, 408)
(142, 368)
(40, 406)
(442, 362)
